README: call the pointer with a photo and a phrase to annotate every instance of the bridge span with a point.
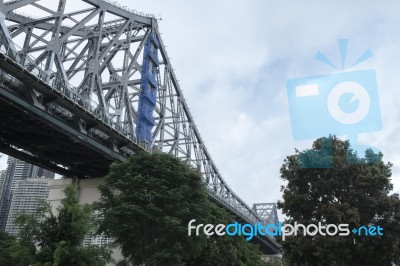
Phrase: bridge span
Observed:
(84, 83)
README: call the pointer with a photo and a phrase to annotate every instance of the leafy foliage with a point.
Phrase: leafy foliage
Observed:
(353, 191)
(226, 250)
(11, 252)
(57, 239)
(146, 204)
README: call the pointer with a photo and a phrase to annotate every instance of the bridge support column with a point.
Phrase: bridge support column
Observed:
(87, 191)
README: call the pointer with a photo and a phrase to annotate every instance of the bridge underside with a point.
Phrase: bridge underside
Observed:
(41, 136)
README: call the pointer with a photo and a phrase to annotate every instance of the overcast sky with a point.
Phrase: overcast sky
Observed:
(233, 58)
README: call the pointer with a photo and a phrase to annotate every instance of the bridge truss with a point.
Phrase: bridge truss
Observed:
(100, 74)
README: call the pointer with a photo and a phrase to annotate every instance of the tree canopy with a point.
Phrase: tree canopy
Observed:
(352, 191)
(11, 252)
(226, 251)
(146, 204)
(49, 238)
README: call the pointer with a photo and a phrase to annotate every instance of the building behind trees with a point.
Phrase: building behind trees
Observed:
(18, 170)
(27, 195)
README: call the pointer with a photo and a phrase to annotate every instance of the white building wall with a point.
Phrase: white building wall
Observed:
(87, 192)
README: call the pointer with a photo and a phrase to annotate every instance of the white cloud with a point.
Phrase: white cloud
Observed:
(233, 59)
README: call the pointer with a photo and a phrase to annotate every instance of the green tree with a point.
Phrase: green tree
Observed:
(11, 252)
(226, 250)
(353, 191)
(57, 239)
(146, 204)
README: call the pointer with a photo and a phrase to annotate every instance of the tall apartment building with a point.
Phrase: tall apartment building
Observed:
(26, 197)
(2, 176)
(16, 170)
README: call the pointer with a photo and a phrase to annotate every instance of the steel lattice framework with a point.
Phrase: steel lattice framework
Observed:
(104, 70)
(266, 212)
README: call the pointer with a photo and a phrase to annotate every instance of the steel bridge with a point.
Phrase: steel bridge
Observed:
(84, 83)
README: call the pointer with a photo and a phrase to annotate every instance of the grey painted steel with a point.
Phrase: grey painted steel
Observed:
(84, 67)
(266, 212)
